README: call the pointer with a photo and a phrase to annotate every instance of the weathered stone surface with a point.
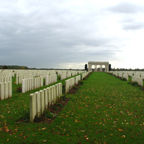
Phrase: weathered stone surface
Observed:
(42, 101)
(23, 85)
(2, 91)
(32, 107)
(38, 112)
(5, 90)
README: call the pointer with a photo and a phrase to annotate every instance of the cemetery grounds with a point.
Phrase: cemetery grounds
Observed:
(104, 110)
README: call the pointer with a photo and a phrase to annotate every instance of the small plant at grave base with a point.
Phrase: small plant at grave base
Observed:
(81, 82)
(59, 104)
(123, 79)
(63, 97)
(58, 78)
(75, 87)
(84, 78)
(50, 115)
(26, 116)
(134, 83)
(38, 119)
(55, 107)
(19, 89)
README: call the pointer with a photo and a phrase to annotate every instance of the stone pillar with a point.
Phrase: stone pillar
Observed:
(107, 67)
(89, 67)
(96, 68)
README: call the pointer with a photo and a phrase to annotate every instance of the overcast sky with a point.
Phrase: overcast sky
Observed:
(69, 33)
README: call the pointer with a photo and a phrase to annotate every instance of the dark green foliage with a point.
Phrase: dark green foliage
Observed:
(4, 67)
(59, 104)
(50, 115)
(12, 67)
(123, 79)
(85, 66)
(44, 82)
(81, 82)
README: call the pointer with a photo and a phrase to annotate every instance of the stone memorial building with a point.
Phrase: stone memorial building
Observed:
(91, 63)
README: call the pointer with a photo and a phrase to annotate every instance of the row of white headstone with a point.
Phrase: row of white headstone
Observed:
(20, 77)
(23, 74)
(5, 90)
(136, 77)
(41, 100)
(130, 73)
(49, 79)
(85, 74)
(5, 78)
(8, 73)
(31, 83)
(74, 80)
(63, 76)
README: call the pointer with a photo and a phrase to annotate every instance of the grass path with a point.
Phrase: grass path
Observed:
(104, 110)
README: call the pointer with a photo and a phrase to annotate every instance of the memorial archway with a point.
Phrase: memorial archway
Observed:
(103, 65)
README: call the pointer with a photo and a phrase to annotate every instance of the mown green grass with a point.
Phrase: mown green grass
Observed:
(104, 110)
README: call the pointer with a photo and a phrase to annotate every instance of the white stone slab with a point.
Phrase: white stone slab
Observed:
(38, 112)
(5, 90)
(42, 101)
(45, 99)
(1, 91)
(32, 107)
(23, 85)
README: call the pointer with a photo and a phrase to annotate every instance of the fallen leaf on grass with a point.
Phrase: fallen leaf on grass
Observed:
(123, 136)
(76, 121)
(120, 129)
(44, 128)
(44, 141)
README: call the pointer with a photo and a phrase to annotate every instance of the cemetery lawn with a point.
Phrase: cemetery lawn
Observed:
(104, 110)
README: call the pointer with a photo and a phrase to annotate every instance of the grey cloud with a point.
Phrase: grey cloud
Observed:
(46, 36)
(133, 26)
(126, 7)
